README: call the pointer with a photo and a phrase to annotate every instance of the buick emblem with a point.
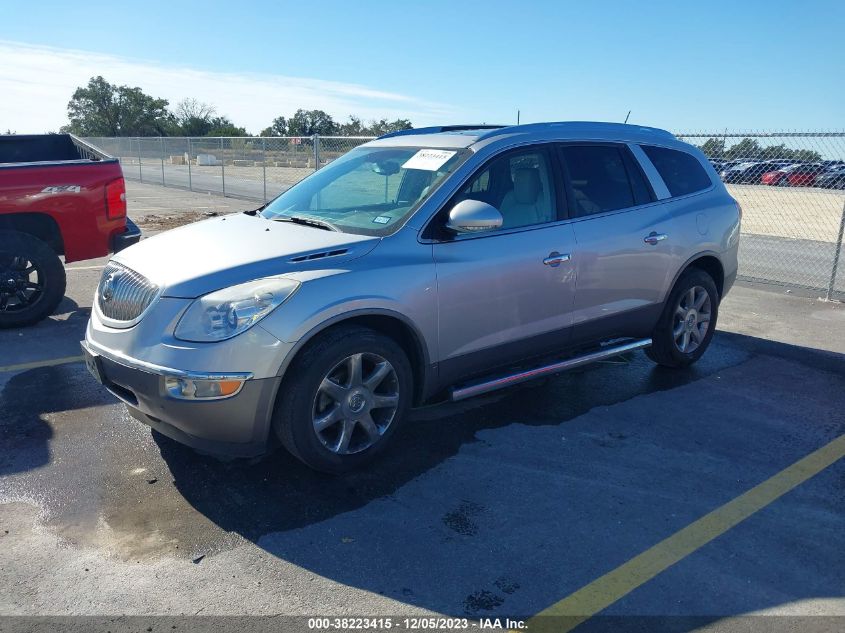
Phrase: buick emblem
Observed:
(107, 292)
(357, 402)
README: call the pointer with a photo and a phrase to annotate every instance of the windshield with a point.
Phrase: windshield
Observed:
(370, 190)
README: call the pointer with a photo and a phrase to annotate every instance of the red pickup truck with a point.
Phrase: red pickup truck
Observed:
(58, 196)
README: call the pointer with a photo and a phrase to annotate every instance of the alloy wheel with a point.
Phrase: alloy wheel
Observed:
(691, 319)
(21, 282)
(355, 403)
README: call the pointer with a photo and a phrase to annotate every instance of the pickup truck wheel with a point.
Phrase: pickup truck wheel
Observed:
(32, 279)
(343, 398)
(688, 321)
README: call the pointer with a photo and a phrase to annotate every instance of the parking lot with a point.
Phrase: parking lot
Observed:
(619, 489)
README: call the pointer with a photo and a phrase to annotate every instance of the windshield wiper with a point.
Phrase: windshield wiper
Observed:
(309, 221)
(255, 212)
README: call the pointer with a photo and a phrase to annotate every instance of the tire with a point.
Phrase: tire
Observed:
(320, 386)
(675, 327)
(28, 297)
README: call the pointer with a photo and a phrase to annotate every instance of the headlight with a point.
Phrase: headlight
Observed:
(228, 312)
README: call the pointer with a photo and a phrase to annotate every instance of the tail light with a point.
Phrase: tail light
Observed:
(116, 199)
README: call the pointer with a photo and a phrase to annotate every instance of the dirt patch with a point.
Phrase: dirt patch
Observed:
(163, 222)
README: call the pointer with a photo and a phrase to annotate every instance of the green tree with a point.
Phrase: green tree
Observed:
(806, 154)
(714, 148)
(353, 127)
(104, 109)
(746, 148)
(310, 122)
(279, 127)
(194, 118)
(222, 126)
(750, 148)
(383, 126)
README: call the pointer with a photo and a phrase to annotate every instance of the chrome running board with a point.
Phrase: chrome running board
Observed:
(468, 391)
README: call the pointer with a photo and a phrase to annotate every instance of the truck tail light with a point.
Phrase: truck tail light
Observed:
(116, 199)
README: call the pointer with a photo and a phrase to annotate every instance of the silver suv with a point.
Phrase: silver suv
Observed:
(436, 263)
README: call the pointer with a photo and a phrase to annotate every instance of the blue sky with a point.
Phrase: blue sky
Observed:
(679, 65)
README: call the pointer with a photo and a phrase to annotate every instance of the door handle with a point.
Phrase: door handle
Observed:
(556, 259)
(653, 238)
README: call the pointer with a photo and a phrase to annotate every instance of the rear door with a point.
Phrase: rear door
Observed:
(623, 237)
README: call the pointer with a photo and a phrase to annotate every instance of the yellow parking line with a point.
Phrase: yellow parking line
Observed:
(604, 591)
(42, 363)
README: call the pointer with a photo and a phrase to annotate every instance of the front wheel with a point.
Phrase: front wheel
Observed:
(32, 279)
(343, 398)
(688, 321)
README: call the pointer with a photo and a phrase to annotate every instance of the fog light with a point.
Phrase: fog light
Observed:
(195, 389)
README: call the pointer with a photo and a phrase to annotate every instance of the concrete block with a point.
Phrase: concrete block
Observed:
(207, 160)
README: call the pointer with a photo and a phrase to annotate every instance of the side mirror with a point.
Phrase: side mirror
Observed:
(473, 216)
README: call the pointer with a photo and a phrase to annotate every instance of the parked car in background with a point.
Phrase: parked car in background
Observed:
(429, 264)
(58, 196)
(833, 164)
(718, 164)
(832, 179)
(749, 172)
(803, 175)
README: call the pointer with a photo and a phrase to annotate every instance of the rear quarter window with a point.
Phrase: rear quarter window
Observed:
(681, 172)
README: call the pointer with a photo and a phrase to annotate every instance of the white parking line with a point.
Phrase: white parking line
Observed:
(85, 267)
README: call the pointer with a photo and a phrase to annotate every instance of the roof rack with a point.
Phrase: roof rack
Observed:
(436, 129)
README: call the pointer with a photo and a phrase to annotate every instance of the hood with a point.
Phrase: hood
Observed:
(199, 258)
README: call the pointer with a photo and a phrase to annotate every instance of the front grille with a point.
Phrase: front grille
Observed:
(123, 294)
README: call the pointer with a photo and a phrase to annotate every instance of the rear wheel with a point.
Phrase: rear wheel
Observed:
(688, 321)
(32, 279)
(343, 398)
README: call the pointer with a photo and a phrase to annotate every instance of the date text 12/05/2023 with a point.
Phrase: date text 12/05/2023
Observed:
(412, 623)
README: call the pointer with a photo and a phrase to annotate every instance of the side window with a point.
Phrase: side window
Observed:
(598, 178)
(519, 185)
(481, 183)
(681, 172)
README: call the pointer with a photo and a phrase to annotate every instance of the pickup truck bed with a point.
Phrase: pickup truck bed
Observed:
(58, 196)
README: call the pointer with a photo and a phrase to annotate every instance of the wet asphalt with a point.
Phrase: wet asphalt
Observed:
(498, 506)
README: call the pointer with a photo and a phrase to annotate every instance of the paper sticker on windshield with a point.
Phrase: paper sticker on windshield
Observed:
(382, 219)
(428, 159)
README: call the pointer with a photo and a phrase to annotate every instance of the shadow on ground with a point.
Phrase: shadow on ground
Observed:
(538, 503)
(26, 401)
(235, 494)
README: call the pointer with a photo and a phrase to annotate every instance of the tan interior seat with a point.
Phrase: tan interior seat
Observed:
(523, 205)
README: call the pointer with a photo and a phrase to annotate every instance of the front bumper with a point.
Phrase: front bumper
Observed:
(130, 236)
(237, 426)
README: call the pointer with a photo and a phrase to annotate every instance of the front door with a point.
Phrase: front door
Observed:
(506, 294)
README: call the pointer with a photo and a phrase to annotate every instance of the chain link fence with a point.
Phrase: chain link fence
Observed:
(254, 168)
(791, 187)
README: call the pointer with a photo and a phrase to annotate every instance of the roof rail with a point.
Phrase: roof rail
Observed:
(436, 129)
(577, 125)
